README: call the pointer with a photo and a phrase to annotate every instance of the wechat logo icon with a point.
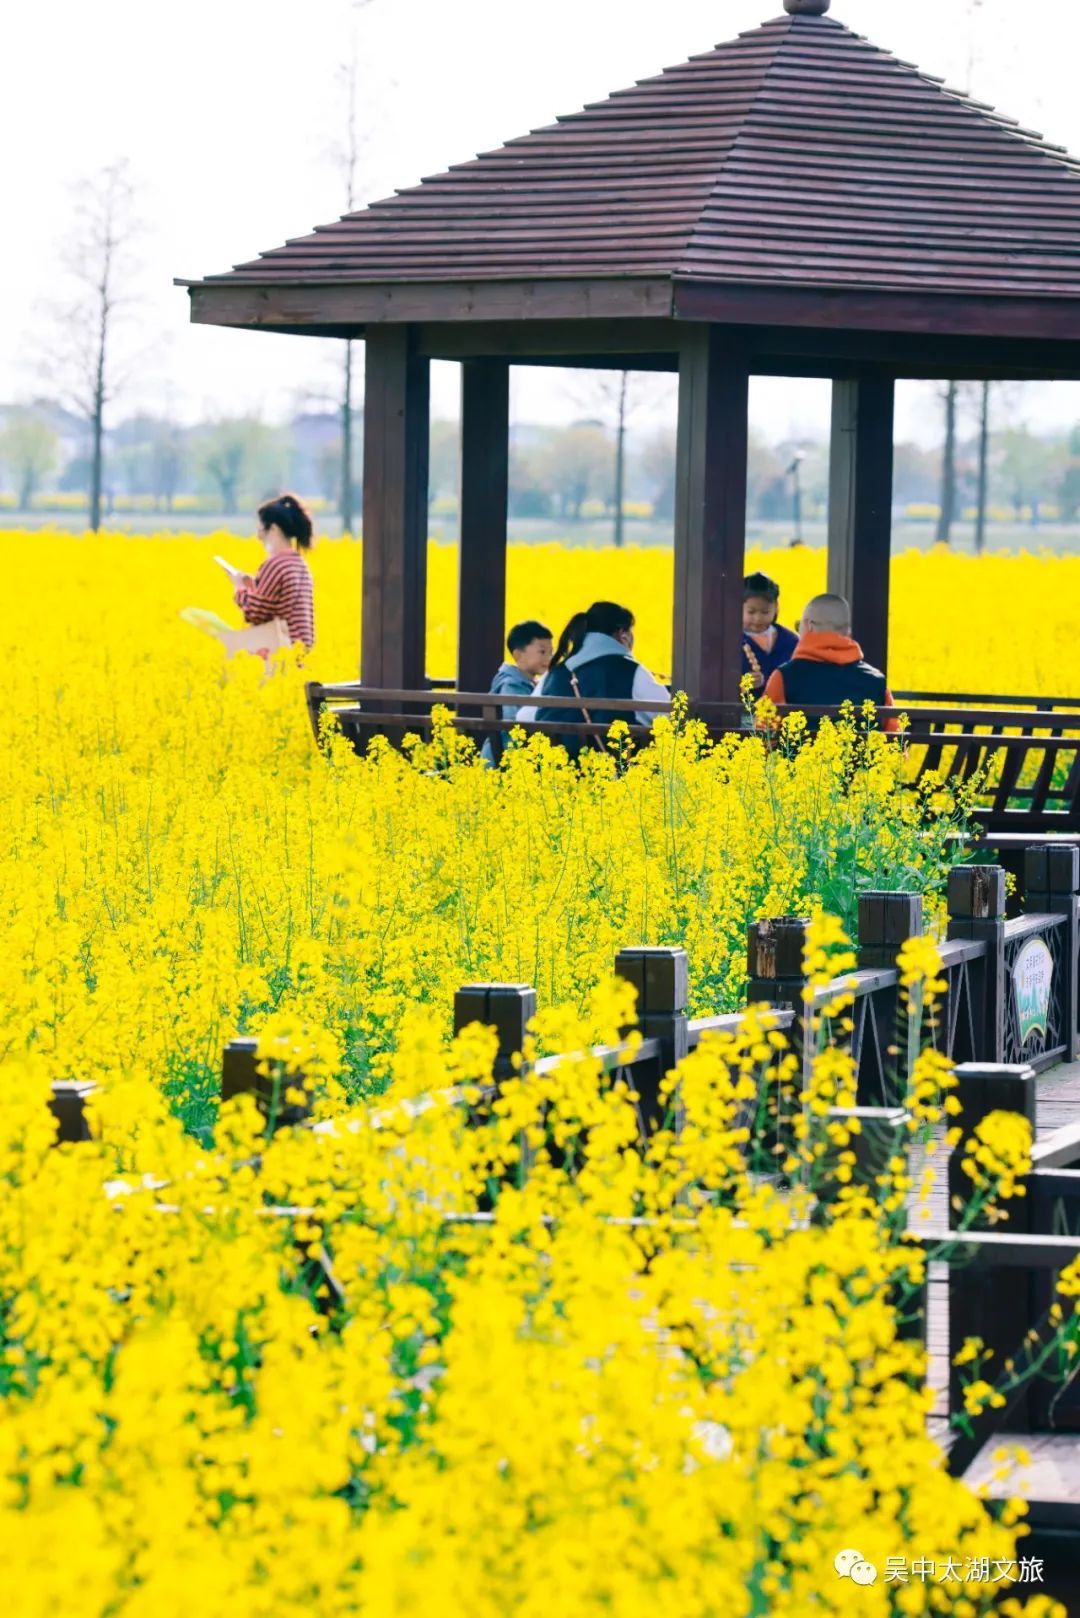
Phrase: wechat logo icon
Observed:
(854, 1566)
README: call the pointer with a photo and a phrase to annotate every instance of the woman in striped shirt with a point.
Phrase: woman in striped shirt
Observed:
(281, 589)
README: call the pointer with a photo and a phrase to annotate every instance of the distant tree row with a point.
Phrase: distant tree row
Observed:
(555, 472)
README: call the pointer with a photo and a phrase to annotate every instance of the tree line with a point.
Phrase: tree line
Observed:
(560, 473)
(74, 442)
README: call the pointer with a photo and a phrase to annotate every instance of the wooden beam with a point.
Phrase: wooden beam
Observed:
(272, 306)
(563, 342)
(854, 309)
(485, 457)
(396, 435)
(710, 518)
(860, 507)
(831, 351)
(574, 323)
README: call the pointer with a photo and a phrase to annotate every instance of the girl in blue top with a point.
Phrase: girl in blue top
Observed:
(766, 644)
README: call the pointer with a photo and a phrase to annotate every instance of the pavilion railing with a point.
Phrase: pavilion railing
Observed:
(1021, 765)
(993, 1009)
(1000, 1284)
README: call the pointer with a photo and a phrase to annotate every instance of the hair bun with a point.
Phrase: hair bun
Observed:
(291, 516)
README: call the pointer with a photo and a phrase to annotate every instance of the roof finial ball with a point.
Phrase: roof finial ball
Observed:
(807, 8)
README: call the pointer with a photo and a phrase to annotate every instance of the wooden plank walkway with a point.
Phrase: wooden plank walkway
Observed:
(1053, 1475)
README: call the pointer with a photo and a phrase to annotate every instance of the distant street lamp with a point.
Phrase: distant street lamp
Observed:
(796, 493)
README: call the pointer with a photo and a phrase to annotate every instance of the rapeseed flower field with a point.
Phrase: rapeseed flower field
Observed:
(403, 1363)
(183, 864)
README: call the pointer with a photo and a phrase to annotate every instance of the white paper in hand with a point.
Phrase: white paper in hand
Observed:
(233, 572)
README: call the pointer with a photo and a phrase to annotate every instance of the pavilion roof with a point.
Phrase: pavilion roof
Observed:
(798, 154)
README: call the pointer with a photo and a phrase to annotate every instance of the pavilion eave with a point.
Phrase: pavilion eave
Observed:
(627, 323)
(344, 305)
(1035, 317)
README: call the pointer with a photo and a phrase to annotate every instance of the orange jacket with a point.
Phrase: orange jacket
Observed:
(820, 646)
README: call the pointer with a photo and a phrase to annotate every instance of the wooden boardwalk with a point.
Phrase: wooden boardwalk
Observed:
(1053, 1474)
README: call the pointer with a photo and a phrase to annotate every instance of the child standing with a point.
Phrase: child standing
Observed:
(766, 644)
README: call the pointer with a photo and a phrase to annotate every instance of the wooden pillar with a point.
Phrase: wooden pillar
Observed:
(485, 462)
(396, 436)
(860, 506)
(710, 519)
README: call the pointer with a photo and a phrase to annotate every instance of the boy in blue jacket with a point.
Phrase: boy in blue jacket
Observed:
(766, 644)
(531, 647)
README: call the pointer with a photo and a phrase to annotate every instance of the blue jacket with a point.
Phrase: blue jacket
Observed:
(603, 668)
(509, 681)
(783, 650)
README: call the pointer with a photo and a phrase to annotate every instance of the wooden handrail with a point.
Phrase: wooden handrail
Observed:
(1020, 926)
(782, 1018)
(1061, 1150)
(723, 713)
(855, 984)
(931, 698)
(611, 1057)
(957, 950)
(975, 698)
(489, 727)
(482, 699)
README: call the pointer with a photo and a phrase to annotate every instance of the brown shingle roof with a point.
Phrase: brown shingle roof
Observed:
(795, 154)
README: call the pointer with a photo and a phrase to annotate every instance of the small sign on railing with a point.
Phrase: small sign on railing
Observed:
(1033, 982)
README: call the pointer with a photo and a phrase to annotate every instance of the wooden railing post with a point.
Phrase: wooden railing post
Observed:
(886, 1040)
(775, 975)
(983, 1088)
(661, 977)
(68, 1106)
(886, 922)
(1052, 888)
(977, 912)
(774, 964)
(239, 1069)
(995, 1305)
(240, 1076)
(882, 1136)
(508, 1008)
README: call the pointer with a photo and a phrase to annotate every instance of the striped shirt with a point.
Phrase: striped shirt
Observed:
(281, 589)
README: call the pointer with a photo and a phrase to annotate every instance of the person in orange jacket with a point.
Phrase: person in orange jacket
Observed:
(827, 666)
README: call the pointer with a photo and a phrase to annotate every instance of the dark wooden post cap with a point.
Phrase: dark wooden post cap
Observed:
(889, 919)
(660, 975)
(240, 1076)
(807, 8)
(239, 1068)
(775, 947)
(506, 1007)
(977, 892)
(1052, 868)
(68, 1106)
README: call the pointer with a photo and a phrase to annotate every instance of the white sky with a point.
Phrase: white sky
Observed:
(229, 111)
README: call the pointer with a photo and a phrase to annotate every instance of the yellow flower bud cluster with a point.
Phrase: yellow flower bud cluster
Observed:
(413, 1357)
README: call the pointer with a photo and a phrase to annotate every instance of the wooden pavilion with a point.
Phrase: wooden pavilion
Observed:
(794, 202)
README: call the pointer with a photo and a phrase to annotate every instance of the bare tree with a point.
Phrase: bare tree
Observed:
(241, 455)
(615, 396)
(30, 449)
(620, 458)
(947, 512)
(100, 259)
(166, 461)
(577, 465)
(348, 157)
(1070, 477)
(984, 469)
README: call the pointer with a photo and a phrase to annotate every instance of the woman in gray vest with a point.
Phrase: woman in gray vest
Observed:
(596, 663)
